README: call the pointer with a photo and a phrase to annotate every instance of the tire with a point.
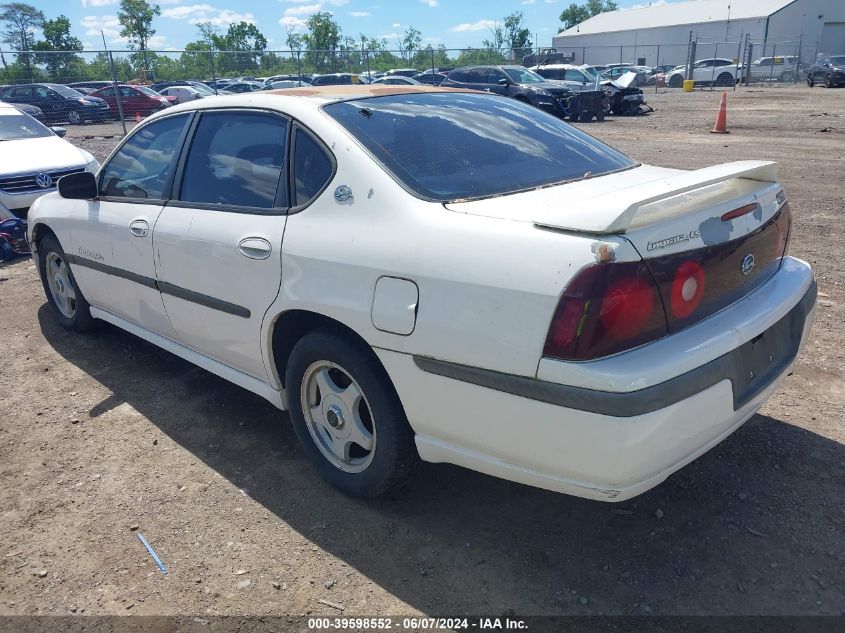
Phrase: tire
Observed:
(810, 81)
(386, 456)
(74, 118)
(828, 81)
(585, 117)
(725, 79)
(786, 76)
(676, 81)
(63, 293)
(600, 115)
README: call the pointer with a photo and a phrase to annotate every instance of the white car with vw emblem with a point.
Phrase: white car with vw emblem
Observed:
(32, 159)
(441, 275)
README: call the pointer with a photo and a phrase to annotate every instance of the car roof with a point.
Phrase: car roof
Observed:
(337, 93)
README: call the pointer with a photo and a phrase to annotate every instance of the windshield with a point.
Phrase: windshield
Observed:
(66, 92)
(451, 146)
(838, 60)
(523, 76)
(591, 72)
(14, 127)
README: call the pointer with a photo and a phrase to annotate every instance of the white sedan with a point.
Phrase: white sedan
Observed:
(32, 159)
(418, 273)
(183, 94)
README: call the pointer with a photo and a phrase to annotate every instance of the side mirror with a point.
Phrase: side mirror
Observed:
(504, 82)
(59, 131)
(79, 186)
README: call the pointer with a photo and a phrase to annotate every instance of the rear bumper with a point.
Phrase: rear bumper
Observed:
(605, 445)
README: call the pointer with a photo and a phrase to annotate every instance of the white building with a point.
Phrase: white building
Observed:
(659, 34)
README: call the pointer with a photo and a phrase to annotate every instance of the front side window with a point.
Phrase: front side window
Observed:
(236, 159)
(141, 168)
(523, 76)
(312, 168)
(453, 146)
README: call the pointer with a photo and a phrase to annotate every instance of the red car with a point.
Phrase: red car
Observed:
(134, 100)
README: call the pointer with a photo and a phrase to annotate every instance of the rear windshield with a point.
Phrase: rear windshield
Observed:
(453, 146)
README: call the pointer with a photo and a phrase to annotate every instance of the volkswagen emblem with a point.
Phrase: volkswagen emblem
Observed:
(747, 264)
(43, 180)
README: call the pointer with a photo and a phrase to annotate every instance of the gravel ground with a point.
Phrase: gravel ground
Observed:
(104, 436)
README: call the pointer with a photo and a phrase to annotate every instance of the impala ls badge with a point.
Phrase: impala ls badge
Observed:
(43, 180)
(747, 264)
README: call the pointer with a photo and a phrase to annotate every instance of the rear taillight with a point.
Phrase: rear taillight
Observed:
(607, 308)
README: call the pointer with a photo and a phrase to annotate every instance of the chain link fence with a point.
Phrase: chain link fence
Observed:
(759, 63)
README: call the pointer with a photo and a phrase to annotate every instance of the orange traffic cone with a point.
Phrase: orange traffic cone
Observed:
(721, 126)
(138, 115)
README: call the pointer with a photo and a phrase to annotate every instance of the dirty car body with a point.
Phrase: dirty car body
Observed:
(515, 297)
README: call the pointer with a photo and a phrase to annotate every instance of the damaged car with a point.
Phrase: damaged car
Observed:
(624, 97)
(427, 274)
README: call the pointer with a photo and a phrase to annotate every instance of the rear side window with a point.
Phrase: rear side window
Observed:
(453, 146)
(141, 168)
(312, 168)
(236, 159)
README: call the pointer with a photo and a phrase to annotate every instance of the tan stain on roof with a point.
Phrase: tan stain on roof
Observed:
(365, 90)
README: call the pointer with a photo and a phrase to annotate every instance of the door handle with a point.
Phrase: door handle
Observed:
(255, 248)
(139, 228)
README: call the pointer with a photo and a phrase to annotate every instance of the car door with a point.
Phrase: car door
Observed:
(218, 242)
(702, 71)
(112, 236)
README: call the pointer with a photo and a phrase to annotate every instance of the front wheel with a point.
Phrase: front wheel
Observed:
(676, 81)
(347, 415)
(810, 81)
(74, 118)
(828, 81)
(72, 310)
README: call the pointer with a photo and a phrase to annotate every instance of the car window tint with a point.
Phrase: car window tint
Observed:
(312, 168)
(236, 159)
(453, 146)
(142, 166)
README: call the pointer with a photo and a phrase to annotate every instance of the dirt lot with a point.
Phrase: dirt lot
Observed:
(103, 433)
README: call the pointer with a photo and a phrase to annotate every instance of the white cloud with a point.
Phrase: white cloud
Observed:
(528, 2)
(108, 24)
(359, 14)
(303, 9)
(481, 25)
(198, 13)
(430, 3)
(98, 3)
(396, 25)
(297, 24)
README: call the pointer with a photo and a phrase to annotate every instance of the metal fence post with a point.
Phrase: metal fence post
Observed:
(797, 65)
(739, 62)
(657, 64)
(116, 93)
(299, 68)
(213, 71)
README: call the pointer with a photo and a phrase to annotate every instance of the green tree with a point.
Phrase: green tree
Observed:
(21, 20)
(518, 37)
(243, 44)
(497, 34)
(410, 41)
(136, 21)
(321, 41)
(56, 50)
(575, 14)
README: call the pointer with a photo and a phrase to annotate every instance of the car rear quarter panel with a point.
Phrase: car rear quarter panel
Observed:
(487, 286)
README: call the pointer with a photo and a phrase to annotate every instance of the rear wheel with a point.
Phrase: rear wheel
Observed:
(810, 81)
(600, 115)
(676, 81)
(74, 118)
(347, 415)
(72, 310)
(828, 81)
(786, 76)
(725, 79)
(585, 117)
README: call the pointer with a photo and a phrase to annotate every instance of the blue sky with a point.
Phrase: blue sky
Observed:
(455, 23)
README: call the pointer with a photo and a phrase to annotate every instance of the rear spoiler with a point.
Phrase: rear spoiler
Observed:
(613, 212)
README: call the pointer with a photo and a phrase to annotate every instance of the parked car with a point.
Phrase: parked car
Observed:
(714, 71)
(339, 79)
(197, 85)
(783, 68)
(59, 103)
(96, 85)
(402, 72)
(134, 100)
(396, 80)
(33, 159)
(572, 76)
(181, 94)
(511, 81)
(616, 72)
(466, 279)
(827, 70)
(623, 96)
(663, 68)
(432, 79)
(286, 83)
(300, 79)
